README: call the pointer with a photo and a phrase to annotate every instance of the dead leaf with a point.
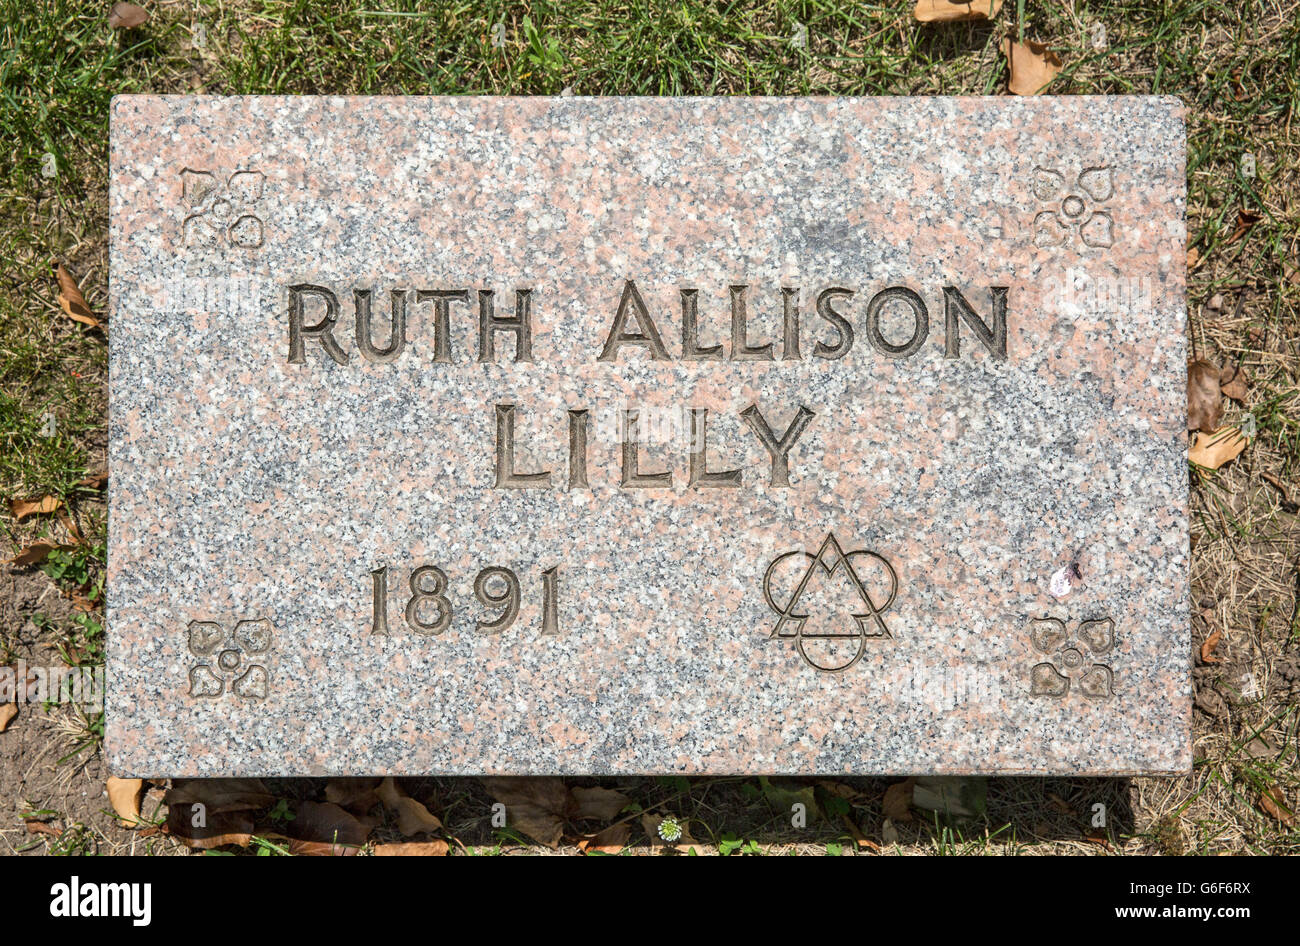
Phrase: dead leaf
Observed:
(413, 849)
(1097, 836)
(1204, 400)
(124, 795)
(609, 841)
(20, 509)
(94, 480)
(1274, 805)
(7, 713)
(1210, 702)
(1032, 66)
(954, 796)
(70, 524)
(326, 823)
(888, 833)
(216, 829)
(219, 794)
(1193, 258)
(1211, 451)
(1288, 504)
(127, 16)
(224, 817)
(357, 795)
(597, 804)
(946, 11)
(1233, 381)
(319, 848)
(71, 299)
(898, 800)
(1245, 220)
(1260, 747)
(36, 553)
(540, 807)
(535, 806)
(1209, 644)
(412, 817)
(860, 839)
(40, 827)
(838, 789)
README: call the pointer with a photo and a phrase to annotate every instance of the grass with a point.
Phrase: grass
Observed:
(1236, 66)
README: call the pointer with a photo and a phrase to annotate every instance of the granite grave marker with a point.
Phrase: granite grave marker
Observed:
(493, 435)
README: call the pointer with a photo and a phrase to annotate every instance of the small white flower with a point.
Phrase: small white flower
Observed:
(670, 829)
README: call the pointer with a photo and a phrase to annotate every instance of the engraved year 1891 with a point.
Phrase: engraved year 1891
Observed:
(429, 608)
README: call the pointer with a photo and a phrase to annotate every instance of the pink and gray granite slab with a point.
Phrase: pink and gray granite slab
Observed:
(565, 435)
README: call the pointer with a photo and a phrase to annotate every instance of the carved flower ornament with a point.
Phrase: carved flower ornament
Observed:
(221, 214)
(230, 661)
(1074, 210)
(1073, 662)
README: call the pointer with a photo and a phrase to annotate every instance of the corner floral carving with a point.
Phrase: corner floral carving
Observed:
(230, 661)
(1074, 661)
(1076, 209)
(222, 214)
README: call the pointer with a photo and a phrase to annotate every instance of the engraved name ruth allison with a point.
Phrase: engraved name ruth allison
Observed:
(426, 607)
(633, 327)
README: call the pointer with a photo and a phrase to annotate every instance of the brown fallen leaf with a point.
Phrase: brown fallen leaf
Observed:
(1274, 805)
(357, 795)
(127, 16)
(535, 806)
(1193, 258)
(1032, 66)
(7, 713)
(36, 553)
(898, 800)
(318, 848)
(124, 795)
(609, 841)
(71, 525)
(1210, 702)
(1245, 220)
(94, 480)
(1211, 451)
(1097, 836)
(71, 299)
(1288, 504)
(20, 509)
(1209, 644)
(945, 11)
(412, 817)
(541, 807)
(413, 849)
(1233, 381)
(1260, 747)
(838, 789)
(888, 832)
(1204, 399)
(860, 839)
(219, 794)
(214, 829)
(41, 827)
(326, 823)
(597, 804)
